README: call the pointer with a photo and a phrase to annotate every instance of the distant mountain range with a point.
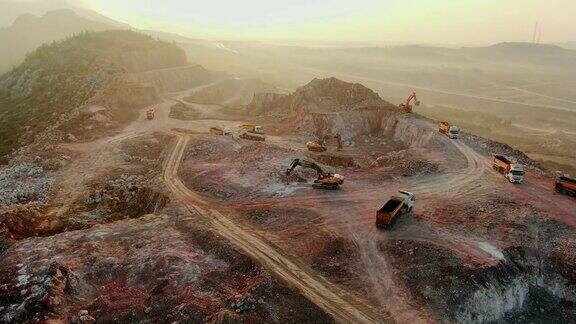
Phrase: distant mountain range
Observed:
(29, 31)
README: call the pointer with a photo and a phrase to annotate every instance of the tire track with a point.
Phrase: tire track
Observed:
(344, 308)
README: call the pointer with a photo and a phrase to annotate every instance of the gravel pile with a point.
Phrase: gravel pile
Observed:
(23, 183)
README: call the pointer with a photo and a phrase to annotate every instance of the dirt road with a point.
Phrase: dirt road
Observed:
(334, 301)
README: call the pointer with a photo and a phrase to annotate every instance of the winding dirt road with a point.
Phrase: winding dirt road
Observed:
(343, 307)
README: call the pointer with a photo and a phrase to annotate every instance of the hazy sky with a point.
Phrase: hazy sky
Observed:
(427, 21)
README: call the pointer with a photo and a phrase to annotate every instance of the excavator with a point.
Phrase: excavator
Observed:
(320, 145)
(407, 106)
(326, 180)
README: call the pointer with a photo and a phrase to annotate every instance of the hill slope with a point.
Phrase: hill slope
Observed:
(48, 90)
(28, 32)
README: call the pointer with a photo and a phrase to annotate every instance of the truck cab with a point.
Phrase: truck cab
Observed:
(516, 173)
(409, 200)
(454, 132)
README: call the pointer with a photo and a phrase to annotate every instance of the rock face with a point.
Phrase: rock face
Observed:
(230, 92)
(321, 96)
(183, 78)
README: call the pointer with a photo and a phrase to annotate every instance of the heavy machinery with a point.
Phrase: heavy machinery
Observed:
(243, 134)
(451, 131)
(255, 129)
(326, 180)
(407, 106)
(394, 208)
(514, 172)
(566, 185)
(150, 113)
(320, 145)
(220, 132)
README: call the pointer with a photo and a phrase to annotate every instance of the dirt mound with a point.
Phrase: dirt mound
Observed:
(338, 261)
(489, 147)
(230, 92)
(181, 111)
(320, 96)
(406, 162)
(335, 160)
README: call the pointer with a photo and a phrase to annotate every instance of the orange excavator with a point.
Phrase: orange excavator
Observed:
(407, 106)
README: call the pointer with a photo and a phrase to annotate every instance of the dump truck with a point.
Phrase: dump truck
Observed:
(255, 129)
(514, 172)
(566, 185)
(243, 134)
(150, 113)
(217, 131)
(398, 205)
(451, 131)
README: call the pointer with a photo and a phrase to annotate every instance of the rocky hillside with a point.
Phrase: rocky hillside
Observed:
(72, 88)
(326, 106)
(320, 96)
(28, 32)
(231, 92)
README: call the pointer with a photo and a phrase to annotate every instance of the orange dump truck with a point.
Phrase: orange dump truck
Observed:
(394, 208)
(216, 131)
(566, 186)
(449, 130)
(514, 172)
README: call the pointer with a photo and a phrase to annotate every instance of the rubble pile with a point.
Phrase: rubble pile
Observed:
(181, 111)
(23, 183)
(406, 163)
(120, 198)
(488, 147)
(150, 269)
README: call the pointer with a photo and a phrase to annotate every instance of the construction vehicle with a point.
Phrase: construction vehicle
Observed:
(320, 145)
(326, 180)
(451, 131)
(220, 132)
(217, 131)
(394, 208)
(255, 129)
(243, 134)
(407, 106)
(514, 172)
(150, 113)
(566, 185)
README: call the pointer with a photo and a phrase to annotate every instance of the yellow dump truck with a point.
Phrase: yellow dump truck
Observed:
(451, 131)
(256, 129)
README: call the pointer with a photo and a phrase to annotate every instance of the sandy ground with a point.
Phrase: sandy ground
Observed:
(291, 249)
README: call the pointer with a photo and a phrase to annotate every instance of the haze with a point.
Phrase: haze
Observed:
(466, 22)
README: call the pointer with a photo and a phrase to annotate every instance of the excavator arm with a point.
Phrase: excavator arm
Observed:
(325, 180)
(305, 164)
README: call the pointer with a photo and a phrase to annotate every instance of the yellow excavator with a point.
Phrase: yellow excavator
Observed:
(320, 145)
(326, 180)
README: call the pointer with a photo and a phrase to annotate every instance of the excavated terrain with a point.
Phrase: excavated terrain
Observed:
(477, 249)
(158, 222)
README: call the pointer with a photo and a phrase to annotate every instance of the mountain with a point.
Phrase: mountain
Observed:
(320, 96)
(79, 85)
(568, 45)
(28, 32)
